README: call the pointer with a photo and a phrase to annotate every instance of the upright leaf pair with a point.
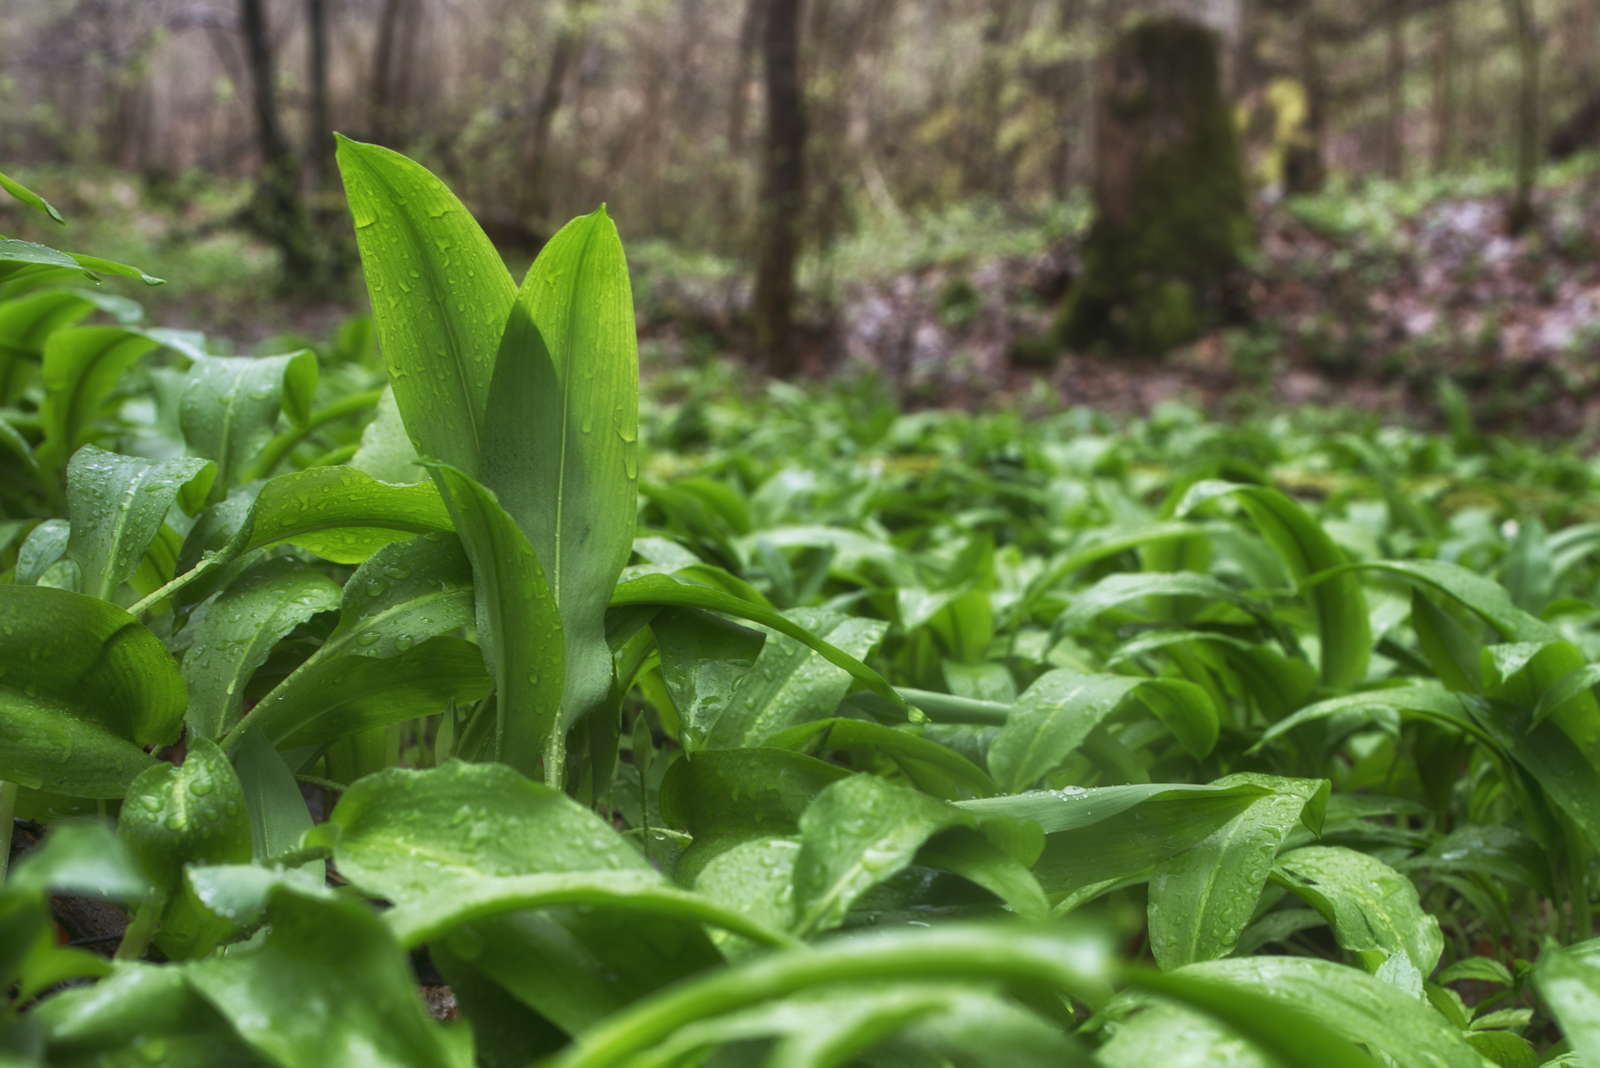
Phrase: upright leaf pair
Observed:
(525, 405)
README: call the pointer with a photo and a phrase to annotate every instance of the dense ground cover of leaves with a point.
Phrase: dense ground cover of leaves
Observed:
(807, 732)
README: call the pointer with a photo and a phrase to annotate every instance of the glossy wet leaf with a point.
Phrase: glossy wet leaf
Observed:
(1373, 909)
(230, 405)
(1057, 711)
(231, 635)
(560, 445)
(519, 630)
(81, 367)
(85, 687)
(173, 816)
(440, 298)
(1568, 979)
(288, 996)
(116, 505)
(1201, 899)
(789, 682)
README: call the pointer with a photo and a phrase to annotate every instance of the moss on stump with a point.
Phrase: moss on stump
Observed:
(1172, 222)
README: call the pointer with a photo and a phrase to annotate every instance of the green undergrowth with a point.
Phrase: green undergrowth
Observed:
(764, 726)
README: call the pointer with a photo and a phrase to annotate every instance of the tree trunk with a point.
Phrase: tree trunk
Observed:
(568, 39)
(319, 143)
(1304, 169)
(1444, 90)
(276, 209)
(1394, 154)
(739, 90)
(783, 188)
(1519, 213)
(380, 94)
(1172, 224)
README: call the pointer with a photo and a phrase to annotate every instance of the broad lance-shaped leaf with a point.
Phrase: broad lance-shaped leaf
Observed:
(278, 812)
(1094, 836)
(560, 448)
(387, 659)
(789, 683)
(1070, 962)
(1056, 713)
(1343, 626)
(1373, 910)
(336, 512)
(519, 630)
(288, 995)
(82, 365)
(408, 835)
(440, 297)
(1568, 978)
(116, 505)
(230, 404)
(1297, 1010)
(862, 830)
(190, 814)
(1201, 899)
(231, 635)
(85, 687)
(24, 259)
(670, 593)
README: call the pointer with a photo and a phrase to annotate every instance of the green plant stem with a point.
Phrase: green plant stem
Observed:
(342, 454)
(947, 708)
(144, 604)
(8, 812)
(279, 447)
(136, 939)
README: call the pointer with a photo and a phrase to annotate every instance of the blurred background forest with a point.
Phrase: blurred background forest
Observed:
(909, 185)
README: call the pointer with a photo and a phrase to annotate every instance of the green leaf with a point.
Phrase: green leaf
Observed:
(190, 814)
(519, 629)
(231, 635)
(1117, 832)
(1055, 714)
(1042, 960)
(82, 365)
(407, 835)
(429, 917)
(1373, 909)
(440, 297)
(408, 595)
(230, 405)
(289, 995)
(1343, 626)
(670, 593)
(272, 797)
(560, 446)
(1568, 979)
(789, 682)
(345, 696)
(29, 197)
(932, 768)
(116, 505)
(1482, 596)
(85, 687)
(1320, 997)
(862, 830)
(1201, 899)
(386, 453)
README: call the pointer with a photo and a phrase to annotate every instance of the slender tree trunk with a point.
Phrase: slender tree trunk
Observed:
(783, 188)
(380, 94)
(1394, 163)
(1304, 166)
(279, 213)
(743, 60)
(319, 142)
(568, 41)
(1520, 15)
(1444, 89)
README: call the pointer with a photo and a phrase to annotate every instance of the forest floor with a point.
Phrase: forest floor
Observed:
(1367, 297)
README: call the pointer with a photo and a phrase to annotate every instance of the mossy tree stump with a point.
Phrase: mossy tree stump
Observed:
(1172, 221)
